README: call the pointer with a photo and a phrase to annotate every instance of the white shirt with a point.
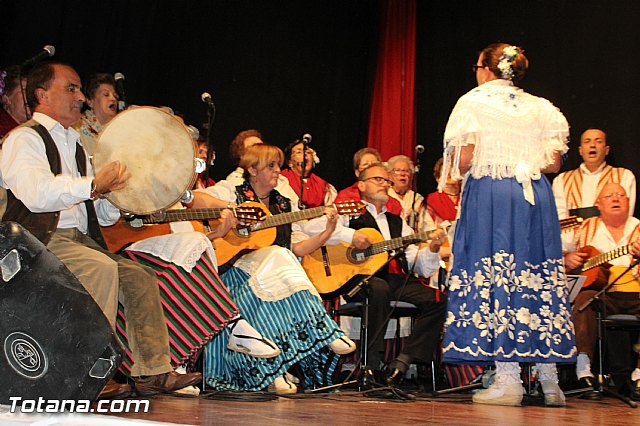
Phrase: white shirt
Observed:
(407, 201)
(590, 186)
(26, 172)
(426, 262)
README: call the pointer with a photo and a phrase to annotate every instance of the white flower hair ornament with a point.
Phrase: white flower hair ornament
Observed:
(505, 62)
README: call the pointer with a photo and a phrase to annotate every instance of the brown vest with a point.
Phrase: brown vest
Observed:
(42, 225)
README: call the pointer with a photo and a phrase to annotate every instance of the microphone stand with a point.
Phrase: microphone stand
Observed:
(599, 387)
(305, 147)
(211, 115)
(412, 219)
(365, 378)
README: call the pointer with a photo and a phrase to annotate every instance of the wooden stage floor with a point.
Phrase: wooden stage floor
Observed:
(352, 408)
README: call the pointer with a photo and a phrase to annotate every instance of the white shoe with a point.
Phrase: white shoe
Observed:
(500, 394)
(283, 386)
(189, 391)
(246, 339)
(342, 345)
(553, 395)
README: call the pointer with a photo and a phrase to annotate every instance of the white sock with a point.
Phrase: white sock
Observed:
(583, 366)
(548, 376)
(507, 373)
(635, 375)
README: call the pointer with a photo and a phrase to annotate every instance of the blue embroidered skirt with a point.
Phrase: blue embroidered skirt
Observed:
(508, 298)
(297, 324)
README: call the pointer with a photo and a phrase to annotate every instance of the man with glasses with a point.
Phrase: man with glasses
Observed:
(577, 189)
(401, 280)
(401, 172)
(362, 159)
(614, 228)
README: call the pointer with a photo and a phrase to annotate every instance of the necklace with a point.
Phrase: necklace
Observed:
(263, 198)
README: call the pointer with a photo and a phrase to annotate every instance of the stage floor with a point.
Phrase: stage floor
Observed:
(351, 407)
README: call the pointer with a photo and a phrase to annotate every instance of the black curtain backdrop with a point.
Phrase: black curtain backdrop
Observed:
(283, 67)
(293, 67)
(582, 57)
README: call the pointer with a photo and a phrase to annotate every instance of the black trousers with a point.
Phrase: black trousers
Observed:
(427, 326)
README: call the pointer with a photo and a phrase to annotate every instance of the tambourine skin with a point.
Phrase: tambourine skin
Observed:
(159, 154)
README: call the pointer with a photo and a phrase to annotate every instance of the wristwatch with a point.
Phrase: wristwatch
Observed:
(93, 195)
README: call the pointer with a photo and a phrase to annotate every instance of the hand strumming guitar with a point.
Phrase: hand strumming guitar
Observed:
(226, 222)
(437, 239)
(361, 240)
(574, 260)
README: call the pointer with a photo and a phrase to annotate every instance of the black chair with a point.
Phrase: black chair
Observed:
(625, 328)
(399, 310)
(357, 309)
(608, 323)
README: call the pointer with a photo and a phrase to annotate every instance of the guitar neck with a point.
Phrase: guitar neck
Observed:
(570, 222)
(286, 218)
(395, 243)
(187, 214)
(606, 257)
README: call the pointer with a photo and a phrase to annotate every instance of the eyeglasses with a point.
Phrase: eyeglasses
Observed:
(401, 172)
(614, 194)
(477, 67)
(379, 180)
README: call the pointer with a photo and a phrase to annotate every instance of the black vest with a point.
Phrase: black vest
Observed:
(42, 225)
(277, 204)
(366, 220)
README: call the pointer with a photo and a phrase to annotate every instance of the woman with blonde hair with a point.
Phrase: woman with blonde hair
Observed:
(273, 292)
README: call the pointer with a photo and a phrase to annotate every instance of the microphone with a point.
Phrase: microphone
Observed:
(306, 138)
(206, 98)
(47, 51)
(122, 102)
(419, 149)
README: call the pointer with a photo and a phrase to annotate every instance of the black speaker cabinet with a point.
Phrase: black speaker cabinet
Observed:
(55, 342)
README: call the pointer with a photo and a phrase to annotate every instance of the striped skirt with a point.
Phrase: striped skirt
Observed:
(298, 324)
(197, 306)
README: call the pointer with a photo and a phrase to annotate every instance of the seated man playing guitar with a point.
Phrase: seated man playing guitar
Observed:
(389, 284)
(613, 230)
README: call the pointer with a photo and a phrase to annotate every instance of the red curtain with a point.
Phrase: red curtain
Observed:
(392, 122)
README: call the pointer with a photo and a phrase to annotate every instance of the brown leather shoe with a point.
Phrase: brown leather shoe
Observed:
(165, 383)
(115, 390)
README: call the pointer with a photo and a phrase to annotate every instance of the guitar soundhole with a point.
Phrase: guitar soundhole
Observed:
(242, 232)
(356, 256)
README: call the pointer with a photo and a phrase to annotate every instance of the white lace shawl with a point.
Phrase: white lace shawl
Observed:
(515, 134)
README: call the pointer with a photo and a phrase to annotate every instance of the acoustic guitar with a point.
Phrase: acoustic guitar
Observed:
(331, 267)
(263, 233)
(627, 282)
(595, 277)
(130, 230)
